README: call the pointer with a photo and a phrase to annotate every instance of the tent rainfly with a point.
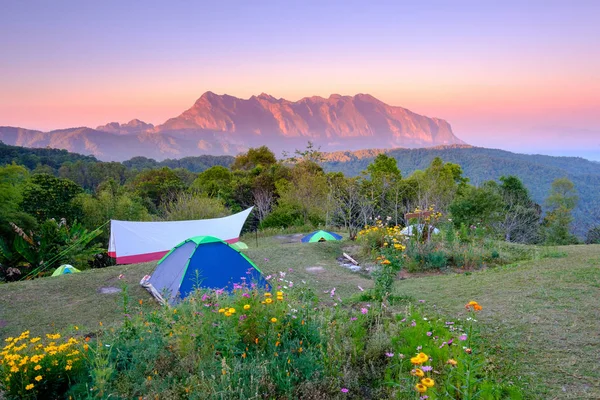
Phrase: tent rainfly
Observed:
(134, 242)
(320, 236)
(202, 261)
(411, 229)
(65, 269)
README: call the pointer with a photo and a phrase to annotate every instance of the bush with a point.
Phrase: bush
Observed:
(593, 236)
(51, 245)
(186, 206)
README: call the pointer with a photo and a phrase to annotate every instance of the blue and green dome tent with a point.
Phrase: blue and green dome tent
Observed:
(201, 261)
(65, 269)
(320, 236)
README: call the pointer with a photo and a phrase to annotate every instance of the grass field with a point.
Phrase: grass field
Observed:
(541, 317)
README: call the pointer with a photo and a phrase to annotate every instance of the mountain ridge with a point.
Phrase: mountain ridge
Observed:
(226, 125)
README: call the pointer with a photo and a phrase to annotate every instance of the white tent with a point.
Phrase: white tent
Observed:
(134, 242)
(411, 229)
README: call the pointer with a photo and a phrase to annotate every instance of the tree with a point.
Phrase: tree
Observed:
(214, 182)
(438, 184)
(45, 196)
(475, 205)
(593, 236)
(561, 202)
(188, 206)
(261, 156)
(345, 201)
(306, 191)
(521, 214)
(12, 179)
(157, 186)
(383, 186)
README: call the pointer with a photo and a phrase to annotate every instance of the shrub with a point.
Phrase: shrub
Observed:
(187, 206)
(593, 236)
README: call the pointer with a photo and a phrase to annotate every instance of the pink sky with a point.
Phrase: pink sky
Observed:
(514, 76)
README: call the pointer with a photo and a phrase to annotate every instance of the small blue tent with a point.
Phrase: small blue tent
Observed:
(202, 261)
(320, 236)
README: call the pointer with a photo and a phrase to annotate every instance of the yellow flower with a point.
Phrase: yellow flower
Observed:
(280, 298)
(221, 310)
(417, 372)
(38, 378)
(267, 294)
(232, 310)
(279, 293)
(273, 320)
(421, 388)
(423, 357)
(37, 367)
(29, 387)
(268, 301)
(35, 339)
(428, 382)
(68, 368)
(386, 262)
(227, 314)
(247, 307)
(14, 369)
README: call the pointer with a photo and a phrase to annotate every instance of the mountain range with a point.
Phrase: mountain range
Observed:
(227, 125)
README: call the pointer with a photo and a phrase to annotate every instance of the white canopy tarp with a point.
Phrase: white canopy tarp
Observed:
(134, 242)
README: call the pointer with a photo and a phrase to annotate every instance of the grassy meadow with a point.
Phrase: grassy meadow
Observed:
(540, 320)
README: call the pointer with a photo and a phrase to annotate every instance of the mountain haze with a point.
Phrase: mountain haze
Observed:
(227, 125)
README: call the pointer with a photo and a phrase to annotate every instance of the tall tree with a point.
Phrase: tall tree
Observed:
(561, 202)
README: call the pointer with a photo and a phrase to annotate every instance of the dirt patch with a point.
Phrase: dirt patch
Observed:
(295, 238)
(109, 290)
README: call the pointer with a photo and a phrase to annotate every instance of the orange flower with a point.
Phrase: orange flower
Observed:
(474, 305)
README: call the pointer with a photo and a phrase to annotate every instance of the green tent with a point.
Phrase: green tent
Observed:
(320, 236)
(65, 269)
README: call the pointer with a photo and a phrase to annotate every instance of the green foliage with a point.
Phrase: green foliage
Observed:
(111, 202)
(214, 182)
(593, 236)
(560, 202)
(193, 164)
(51, 245)
(252, 344)
(31, 158)
(157, 186)
(537, 172)
(187, 206)
(253, 158)
(45, 196)
(476, 205)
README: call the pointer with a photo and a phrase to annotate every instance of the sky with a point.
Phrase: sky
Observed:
(518, 75)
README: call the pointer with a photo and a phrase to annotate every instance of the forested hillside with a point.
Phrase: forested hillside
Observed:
(480, 165)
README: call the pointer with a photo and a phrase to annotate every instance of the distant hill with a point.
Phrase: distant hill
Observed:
(479, 164)
(54, 158)
(227, 125)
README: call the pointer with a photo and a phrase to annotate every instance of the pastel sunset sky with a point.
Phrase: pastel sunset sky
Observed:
(517, 75)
